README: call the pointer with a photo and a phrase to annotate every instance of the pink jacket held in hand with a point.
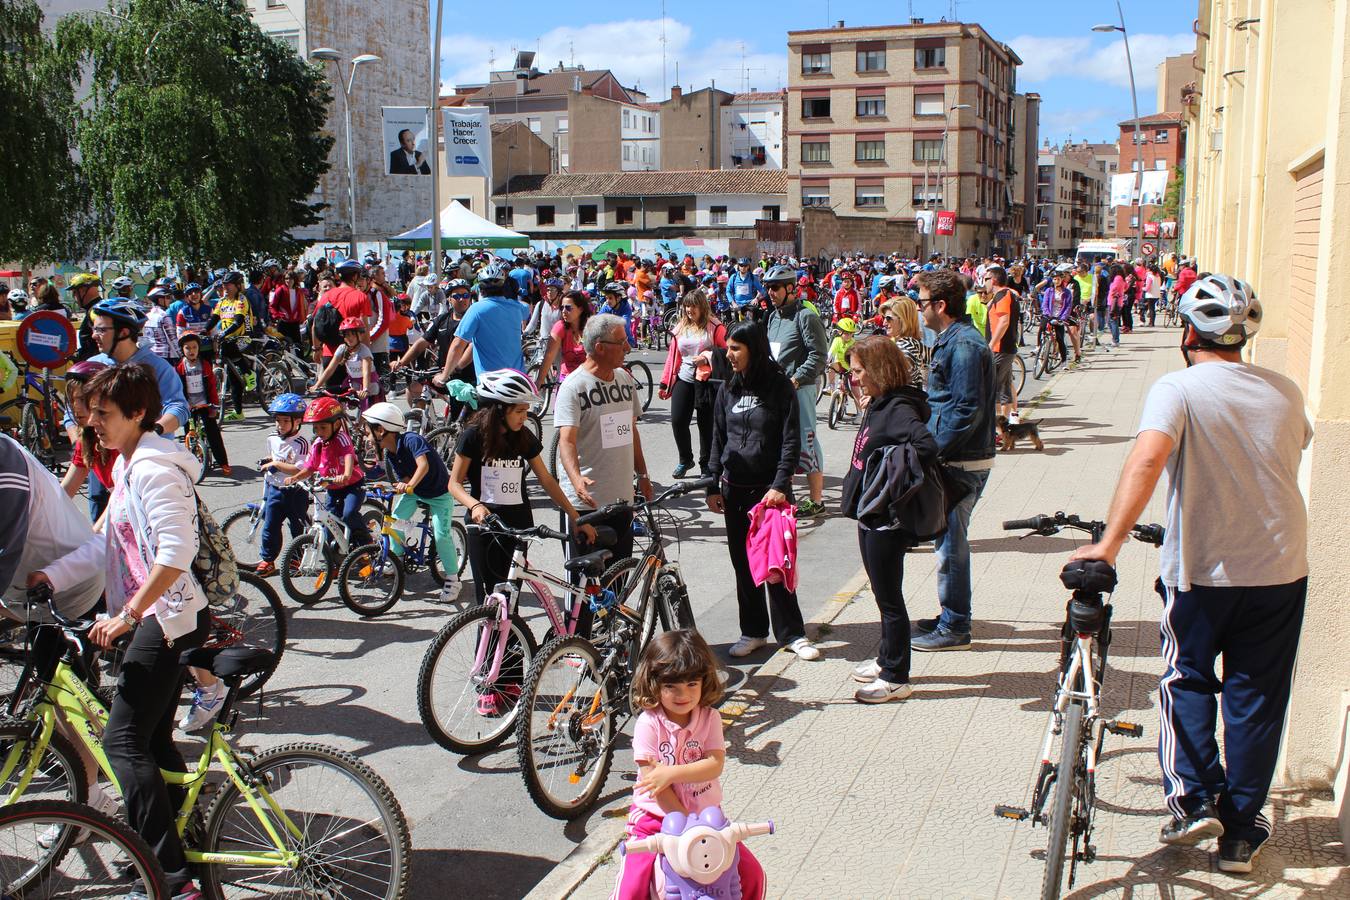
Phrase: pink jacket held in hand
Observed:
(771, 545)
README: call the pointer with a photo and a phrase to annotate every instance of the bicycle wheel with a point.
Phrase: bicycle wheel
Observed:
(461, 535)
(243, 527)
(620, 578)
(60, 774)
(197, 447)
(254, 617)
(370, 581)
(1066, 777)
(553, 467)
(535, 423)
(353, 840)
(565, 730)
(1055, 358)
(672, 601)
(1043, 359)
(273, 381)
(643, 376)
(1019, 374)
(13, 655)
(307, 569)
(465, 707)
(30, 433)
(836, 409)
(39, 858)
(444, 439)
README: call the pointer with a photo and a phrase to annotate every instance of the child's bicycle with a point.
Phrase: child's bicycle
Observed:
(842, 404)
(698, 855)
(194, 438)
(310, 562)
(305, 816)
(371, 578)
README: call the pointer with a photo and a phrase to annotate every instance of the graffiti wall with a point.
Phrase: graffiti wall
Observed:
(678, 247)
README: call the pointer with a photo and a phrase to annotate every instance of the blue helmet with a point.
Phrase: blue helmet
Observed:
(121, 311)
(287, 405)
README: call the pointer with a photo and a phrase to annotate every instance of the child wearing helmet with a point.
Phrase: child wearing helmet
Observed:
(203, 395)
(288, 449)
(838, 356)
(332, 457)
(358, 361)
(420, 476)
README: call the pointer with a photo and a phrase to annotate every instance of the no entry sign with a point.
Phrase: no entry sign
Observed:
(46, 339)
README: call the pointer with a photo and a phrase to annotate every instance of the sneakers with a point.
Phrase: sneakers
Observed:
(882, 691)
(809, 509)
(265, 569)
(940, 639)
(492, 703)
(681, 470)
(206, 703)
(804, 649)
(747, 645)
(100, 800)
(868, 672)
(1187, 831)
(227, 470)
(1238, 856)
(923, 626)
(183, 892)
(450, 589)
(232, 416)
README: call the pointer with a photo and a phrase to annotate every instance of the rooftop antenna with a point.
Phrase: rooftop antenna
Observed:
(492, 58)
(665, 88)
(571, 54)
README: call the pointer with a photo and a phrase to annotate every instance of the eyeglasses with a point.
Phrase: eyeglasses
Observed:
(891, 318)
(102, 329)
(460, 296)
(566, 307)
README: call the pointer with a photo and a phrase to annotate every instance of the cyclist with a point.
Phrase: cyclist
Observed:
(490, 330)
(192, 313)
(287, 449)
(839, 347)
(1056, 306)
(616, 303)
(440, 334)
(203, 396)
(357, 360)
(800, 346)
(85, 289)
(333, 457)
(420, 476)
(846, 302)
(234, 316)
(1234, 579)
(745, 289)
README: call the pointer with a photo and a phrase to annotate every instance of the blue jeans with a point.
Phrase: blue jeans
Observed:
(953, 555)
(345, 503)
(1115, 329)
(282, 504)
(98, 496)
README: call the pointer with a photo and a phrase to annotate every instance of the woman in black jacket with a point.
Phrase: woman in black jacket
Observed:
(754, 453)
(897, 413)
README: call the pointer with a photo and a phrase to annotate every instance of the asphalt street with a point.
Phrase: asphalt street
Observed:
(351, 682)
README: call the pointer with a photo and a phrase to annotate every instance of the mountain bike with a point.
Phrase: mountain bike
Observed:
(305, 816)
(1048, 356)
(310, 562)
(260, 381)
(194, 439)
(93, 854)
(1064, 795)
(371, 578)
(35, 421)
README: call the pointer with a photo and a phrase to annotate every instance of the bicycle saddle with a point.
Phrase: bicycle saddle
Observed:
(230, 664)
(590, 564)
(1092, 576)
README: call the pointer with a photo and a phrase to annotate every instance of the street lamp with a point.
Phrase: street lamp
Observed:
(328, 54)
(942, 166)
(1138, 140)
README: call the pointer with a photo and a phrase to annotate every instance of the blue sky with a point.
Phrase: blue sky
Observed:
(1080, 75)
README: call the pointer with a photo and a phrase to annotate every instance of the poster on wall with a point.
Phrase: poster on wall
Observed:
(1150, 229)
(405, 140)
(923, 221)
(1168, 229)
(468, 141)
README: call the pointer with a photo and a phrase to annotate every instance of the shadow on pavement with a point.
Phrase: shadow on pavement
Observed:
(443, 873)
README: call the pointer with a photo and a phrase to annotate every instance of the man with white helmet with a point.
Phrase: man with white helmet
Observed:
(1234, 566)
(420, 477)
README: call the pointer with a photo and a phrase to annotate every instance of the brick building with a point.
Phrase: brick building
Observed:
(1162, 145)
(866, 112)
(1071, 196)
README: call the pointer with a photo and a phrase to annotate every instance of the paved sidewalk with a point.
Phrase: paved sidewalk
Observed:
(896, 800)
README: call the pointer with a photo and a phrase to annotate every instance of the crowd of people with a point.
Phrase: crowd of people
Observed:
(926, 346)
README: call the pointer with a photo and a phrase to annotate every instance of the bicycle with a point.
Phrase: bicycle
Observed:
(371, 578)
(278, 816)
(310, 562)
(1048, 356)
(445, 438)
(194, 439)
(643, 376)
(841, 395)
(262, 382)
(94, 855)
(1069, 787)
(36, 422)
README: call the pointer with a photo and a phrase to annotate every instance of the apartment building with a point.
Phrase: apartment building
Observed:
(1161, 145)
(1025, 122)
(752, 130)
(1267, 190)
(1070, 197)
(1106, 158)
(867, 111)
(1175, 74)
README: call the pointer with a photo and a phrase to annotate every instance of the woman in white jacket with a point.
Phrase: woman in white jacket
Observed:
(146, 550)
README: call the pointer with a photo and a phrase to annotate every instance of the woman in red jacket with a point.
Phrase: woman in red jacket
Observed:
(684, 381)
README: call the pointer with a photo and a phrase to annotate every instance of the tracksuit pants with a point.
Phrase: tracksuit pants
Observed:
(1255, 630)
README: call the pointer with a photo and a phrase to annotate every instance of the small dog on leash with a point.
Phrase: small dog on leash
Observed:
(1010, 433)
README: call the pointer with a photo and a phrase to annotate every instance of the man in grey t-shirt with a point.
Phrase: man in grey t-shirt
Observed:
(1234, 566)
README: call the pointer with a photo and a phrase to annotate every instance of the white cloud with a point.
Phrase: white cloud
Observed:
(1047, 58)
(631, 48)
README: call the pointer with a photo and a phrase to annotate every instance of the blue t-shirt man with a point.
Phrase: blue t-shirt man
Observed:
(493, 326)
(523, 278)
(403, 460)
(166, 376)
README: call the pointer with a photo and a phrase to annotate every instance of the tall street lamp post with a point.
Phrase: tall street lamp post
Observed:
(1138, 140)
(328, 54)
(942, 178)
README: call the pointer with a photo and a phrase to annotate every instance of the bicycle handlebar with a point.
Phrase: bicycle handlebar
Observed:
(1047, 525)
(41, 595)
(494, 525)
(670, 493)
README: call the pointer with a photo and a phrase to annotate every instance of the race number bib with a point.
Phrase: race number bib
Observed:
(775, 347)
(501, 486)
(196, 384)
(616, 429)
(743, 290)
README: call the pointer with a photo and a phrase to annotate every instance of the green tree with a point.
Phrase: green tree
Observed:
(202, 136)
(1176, 188)
(40, 195)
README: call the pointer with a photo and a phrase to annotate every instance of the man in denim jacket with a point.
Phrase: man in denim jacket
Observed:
(961, 394)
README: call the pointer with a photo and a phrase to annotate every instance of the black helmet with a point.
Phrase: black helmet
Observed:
(780, 274)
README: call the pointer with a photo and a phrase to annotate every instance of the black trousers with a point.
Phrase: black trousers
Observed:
(490, 560)
(234, 373)
(684, 405)
(139, 737)
(211, 427)
(1127, 316)
(782, 608)
(622, 523)
(883, 555)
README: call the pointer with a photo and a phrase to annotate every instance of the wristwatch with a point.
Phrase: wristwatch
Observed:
(130, 618)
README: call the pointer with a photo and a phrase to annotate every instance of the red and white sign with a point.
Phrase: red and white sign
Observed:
(946, 221)
(1149, 249)
(1151, 229)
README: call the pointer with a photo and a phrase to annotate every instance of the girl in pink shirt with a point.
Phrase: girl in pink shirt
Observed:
(679, 751)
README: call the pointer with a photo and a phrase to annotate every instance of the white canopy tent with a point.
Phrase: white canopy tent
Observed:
(461, 229)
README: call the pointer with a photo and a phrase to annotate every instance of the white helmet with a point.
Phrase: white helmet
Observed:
(387, 416)
(507, 386)
(1223, 310)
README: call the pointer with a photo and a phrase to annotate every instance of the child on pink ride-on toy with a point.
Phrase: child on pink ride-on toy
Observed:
(679, 751)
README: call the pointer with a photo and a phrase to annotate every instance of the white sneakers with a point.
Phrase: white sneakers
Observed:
(882, 691)
(804, 649)
(747, 645)
(206, 702)
(868, 672)
(100, 800)
(450, 589)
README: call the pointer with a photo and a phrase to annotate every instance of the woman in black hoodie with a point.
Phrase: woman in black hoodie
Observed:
(754, 453)
(897, 413)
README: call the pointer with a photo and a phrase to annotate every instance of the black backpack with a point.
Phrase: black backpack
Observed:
(328, 325)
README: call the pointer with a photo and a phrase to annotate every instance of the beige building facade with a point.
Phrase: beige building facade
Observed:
(1268, 199)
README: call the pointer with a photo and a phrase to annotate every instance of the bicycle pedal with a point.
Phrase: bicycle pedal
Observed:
(1127, 729)
(1016, 813)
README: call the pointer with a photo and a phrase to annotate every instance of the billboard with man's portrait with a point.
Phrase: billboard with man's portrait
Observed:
(405, 140)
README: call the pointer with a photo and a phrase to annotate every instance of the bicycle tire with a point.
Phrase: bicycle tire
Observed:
(577, 673)
(672, 601)
(836, 410)
(13, 657)
(645, 605)
(280, 771)
(391, 574)
(642, 374)
(1066, 777)
(463, 700)
(30, 434)
(272, 381)
(1042, 360)
(535, 423)
(60, 774)
(112, 859)
(461, 536)
(553, 453)
(243, 529)
(1055, 358)
(257, 618)
(1019, 374)
(197, 447)
(444, 439)
(303, 586)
